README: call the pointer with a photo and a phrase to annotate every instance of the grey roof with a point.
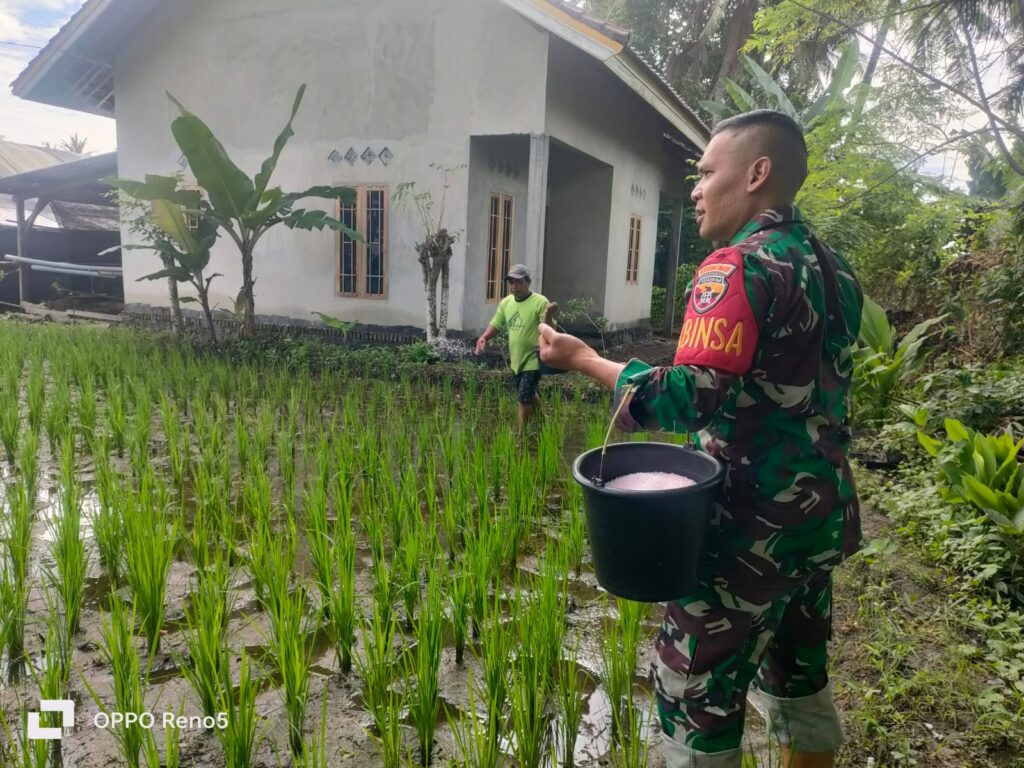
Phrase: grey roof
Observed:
(75, 68)
(18, 158)
(74, 182)
(605, 27)
(624, 36)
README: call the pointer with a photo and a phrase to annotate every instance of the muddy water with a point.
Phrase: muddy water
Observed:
(348, 726)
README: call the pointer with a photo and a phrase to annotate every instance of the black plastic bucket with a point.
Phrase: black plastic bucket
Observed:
(646, 545)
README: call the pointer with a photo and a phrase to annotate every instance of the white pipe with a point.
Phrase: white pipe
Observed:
(81, 272)
(63, 264)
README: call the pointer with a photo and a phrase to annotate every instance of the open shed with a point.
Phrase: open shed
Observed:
(54, 263)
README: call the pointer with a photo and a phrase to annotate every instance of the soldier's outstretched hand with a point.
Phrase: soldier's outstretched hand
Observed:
(560, 350)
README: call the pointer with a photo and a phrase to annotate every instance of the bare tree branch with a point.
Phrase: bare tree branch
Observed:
(1007, 154)
(905, 166)
(993, 118)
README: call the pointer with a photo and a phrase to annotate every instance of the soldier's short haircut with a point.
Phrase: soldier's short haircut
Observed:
(783, 141)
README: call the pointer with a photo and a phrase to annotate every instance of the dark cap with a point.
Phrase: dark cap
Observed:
(518, 272)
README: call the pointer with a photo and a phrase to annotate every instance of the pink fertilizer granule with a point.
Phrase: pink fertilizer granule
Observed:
(649, 481)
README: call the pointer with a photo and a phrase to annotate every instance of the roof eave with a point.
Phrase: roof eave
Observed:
(570, 29)
(622, 60)
(77, 25)
(640, 76)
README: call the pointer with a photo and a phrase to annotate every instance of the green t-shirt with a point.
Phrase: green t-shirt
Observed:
(521, 319)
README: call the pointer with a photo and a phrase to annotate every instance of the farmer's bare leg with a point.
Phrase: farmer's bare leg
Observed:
(525, 411)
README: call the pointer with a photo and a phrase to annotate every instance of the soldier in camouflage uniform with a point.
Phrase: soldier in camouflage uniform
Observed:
(762, 371)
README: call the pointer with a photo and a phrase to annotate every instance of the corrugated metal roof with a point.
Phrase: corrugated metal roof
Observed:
(605, 27)
(74, 182)
(53, 46)
(18, 158)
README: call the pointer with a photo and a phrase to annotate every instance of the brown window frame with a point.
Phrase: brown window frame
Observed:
(500, 245)
(633, 250)
(191, 219)
(360, 248)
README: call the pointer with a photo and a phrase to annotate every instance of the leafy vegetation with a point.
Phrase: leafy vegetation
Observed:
(244, 208)
(883, 367)
(983, 470)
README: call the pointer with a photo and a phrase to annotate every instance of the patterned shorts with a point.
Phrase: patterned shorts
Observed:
(526, 384)
(709, 654)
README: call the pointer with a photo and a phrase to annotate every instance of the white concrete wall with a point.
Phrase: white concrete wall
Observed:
(589, 110)
(513, 154)
(416, 76)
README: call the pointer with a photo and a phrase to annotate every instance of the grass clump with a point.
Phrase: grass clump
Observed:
(205, 634)
(150, 534)
(378, 670)
(238, 738)
(423, 664)
(341, 596)
(119, 650)
(67, 576)
(291, 641)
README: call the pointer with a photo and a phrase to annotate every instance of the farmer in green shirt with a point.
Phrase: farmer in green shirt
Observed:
(520, 314)
(762, 377)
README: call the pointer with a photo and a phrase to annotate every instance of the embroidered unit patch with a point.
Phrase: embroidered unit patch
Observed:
(719, 330)
(710, 285)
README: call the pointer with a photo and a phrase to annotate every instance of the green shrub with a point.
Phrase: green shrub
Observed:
(985, 398)
(883, 368)
(684, 276)
(982, 470)
(1001, 289)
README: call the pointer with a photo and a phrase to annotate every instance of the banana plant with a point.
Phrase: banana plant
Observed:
(243, 208)
(184, 250)
(774, 96)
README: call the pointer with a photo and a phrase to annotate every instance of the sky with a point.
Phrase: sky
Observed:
(32, 23)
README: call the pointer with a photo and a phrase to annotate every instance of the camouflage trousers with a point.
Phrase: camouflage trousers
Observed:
(709, 654)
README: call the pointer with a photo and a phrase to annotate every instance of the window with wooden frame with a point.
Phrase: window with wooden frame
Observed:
(191, 219)
(499, 245)
(362, 266)
(633, 255)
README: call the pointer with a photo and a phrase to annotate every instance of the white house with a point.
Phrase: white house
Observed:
(570, 141)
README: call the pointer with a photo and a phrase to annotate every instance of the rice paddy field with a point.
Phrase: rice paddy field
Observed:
(292, 570)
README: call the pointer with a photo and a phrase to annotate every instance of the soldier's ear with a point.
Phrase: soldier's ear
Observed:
(759, 173)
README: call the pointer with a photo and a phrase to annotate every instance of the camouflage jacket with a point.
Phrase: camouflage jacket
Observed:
(763, 370)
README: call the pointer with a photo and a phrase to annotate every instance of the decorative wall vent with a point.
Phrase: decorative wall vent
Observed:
(507, 169)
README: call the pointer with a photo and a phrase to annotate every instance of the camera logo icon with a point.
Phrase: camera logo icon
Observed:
(66, 707)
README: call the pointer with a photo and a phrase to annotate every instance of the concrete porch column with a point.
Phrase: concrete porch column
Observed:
(673, 264)
(536, 208)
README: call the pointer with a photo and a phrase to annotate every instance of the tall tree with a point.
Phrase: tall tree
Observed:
(74, 143)
(951, 46)
(695, 42)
